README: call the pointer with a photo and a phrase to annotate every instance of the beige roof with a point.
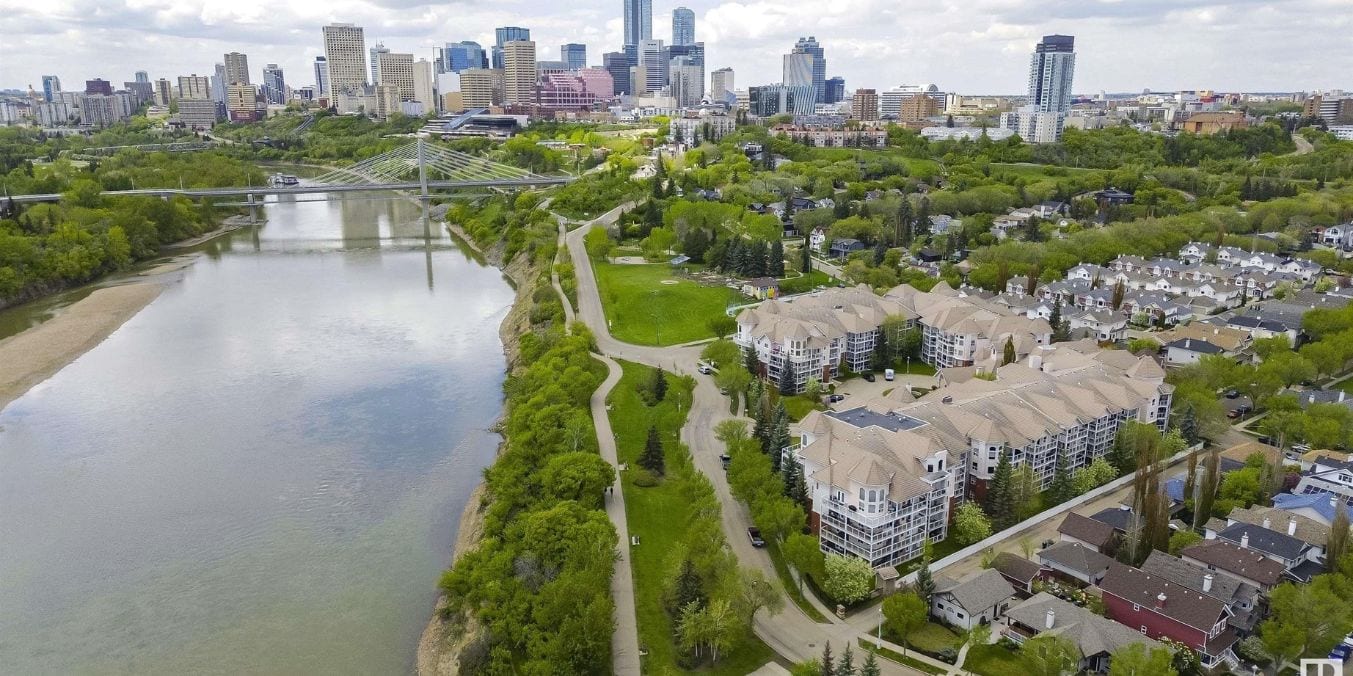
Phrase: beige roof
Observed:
(1308, 530)
(822, 317)
(868, 456)
(1225, 337)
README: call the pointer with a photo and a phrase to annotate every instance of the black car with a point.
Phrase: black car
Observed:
(725, 460)
(754, 534)
(835, 398)
(869, 377)
(1232, 394)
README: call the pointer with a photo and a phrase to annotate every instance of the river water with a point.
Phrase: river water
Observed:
(263, 471)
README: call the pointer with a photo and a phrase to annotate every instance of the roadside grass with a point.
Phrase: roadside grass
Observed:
(644, 311)
(791, 587)
(904, 660)
(993, 660)
(660, 516)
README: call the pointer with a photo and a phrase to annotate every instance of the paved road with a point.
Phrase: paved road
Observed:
(790, 633)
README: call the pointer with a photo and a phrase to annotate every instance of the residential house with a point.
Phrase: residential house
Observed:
(1245, 565)
(1189, 351)
(1104, 326)
(1088, 532)
(1240, 598)
(761, 288)
(1018, 571)
(1265, 327)
(1075, 561)
(941, 224)
(845, 246)
(1228, 339)
(1195, 252)
(1163, 609)
(1318, 507)
(979, 599)
(1047, 210)
(1314, 534)
(1120, 518)
(1096, 638)
(1340, 236)
(817, 238)
(1327, 476)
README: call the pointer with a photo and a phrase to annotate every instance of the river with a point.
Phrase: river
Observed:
(262, 471)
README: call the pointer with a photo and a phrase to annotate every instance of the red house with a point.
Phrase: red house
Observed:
(1162, 609)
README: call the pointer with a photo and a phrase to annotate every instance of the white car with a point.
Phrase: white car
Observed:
(704, 369)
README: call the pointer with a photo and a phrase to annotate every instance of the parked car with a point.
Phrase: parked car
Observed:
(832, 399)
(1341, 652)
(724, 460)
(704, 369)
(1233, 413)
(1232, 394)
(869, 377)
(754, 534)
(888, 374)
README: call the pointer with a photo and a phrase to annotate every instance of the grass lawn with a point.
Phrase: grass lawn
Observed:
(1346, 386)
(659, 516)
(799, 405)
(931, 638)
(916, 368)
(993, 660)
(806, 283)
(899, 657)
(791, 588)
(644, 311)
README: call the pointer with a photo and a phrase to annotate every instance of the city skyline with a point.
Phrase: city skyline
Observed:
(980, 49)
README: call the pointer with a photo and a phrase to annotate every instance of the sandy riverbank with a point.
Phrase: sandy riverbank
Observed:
(230, 224)
(37, 354)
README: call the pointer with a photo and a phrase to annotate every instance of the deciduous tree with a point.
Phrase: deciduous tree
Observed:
(905, 612)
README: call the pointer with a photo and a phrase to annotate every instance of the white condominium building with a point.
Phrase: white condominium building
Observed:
(345, 56)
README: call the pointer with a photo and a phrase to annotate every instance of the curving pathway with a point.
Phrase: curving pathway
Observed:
(790, 633)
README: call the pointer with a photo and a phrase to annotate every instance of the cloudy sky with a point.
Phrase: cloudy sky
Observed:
(970, 46)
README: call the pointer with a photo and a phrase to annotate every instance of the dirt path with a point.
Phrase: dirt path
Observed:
(37, 354)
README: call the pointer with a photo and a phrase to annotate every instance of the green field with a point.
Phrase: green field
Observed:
(993, 660)
(644, 311)
(658, 516)
(806, 283)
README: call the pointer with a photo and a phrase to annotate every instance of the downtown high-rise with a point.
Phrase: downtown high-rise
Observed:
(574, 54)
(274, 85)
(504, 35)
(806, 64)
(1051, 69)
(683, 26)
(638, 21)
(321, 76)
(459, 56)
(237, 68)
(345, 54)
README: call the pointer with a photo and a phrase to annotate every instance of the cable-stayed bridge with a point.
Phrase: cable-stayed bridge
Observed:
(417, 166)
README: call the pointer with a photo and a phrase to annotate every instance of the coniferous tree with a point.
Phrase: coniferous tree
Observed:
(688, 589)
(879, 252)
(1001, 494)
(787, 376)
(904, 226)
(846, 665)
(923, 215)
(870, 666)
(806, 264)
(828, 664)
(1118, 292)
(753, 366)
(1188, 425)
(925, 582)
(779, 437)
(652, 459)
(765, 424)
(777, 260)
(1009, 354)
(1062, 488)
(659, 385)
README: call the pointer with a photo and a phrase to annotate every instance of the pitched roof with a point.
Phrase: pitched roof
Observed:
(1245, 563)
(1076, 557)
(1116, 517)
(1181, 572)
(1086, 529)
(1016, 567)
(1307, 529)
(1194, 345)
(1181, 603)
(1264, 539)
(978, 592)
(1091, 633)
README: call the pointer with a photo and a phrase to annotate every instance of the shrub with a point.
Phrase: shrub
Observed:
(642, 478)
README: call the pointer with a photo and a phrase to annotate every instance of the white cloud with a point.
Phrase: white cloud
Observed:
(974, 46)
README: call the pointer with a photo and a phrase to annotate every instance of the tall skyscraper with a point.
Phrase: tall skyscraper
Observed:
(836, 89)
(504, 35)
(237, 68)
(461, 55)
(683, 26)
(274, 85)
(481, 87)
(721, 83)
(321, 76)
(1050, 73)
(345, 51)
(519, 72)
(142, 76)
(423, 86)
(376, 53)
(51, 85)
(865, 105)
(653, 65)
(164, 92)
(218, 84)
(618, 65)
(817, 66)
(1050, 70)
(194, 87)
(686, 80)
(574, 54)
(99, 86)
(396, 70)
(798, 69)
(638, 21)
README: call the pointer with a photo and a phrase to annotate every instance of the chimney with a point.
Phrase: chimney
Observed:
(1245, 541)
(1266, 522)
(1207, 582)
(1052, 619)
(1188, 343)
(1291, 525)
(1123, 507)
(1160, 601)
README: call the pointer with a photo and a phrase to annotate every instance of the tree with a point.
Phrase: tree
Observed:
(722, 325)
(846, 665)
(1182, 539)
(827, 663)
(1061, 330)
(1062, 488)
(778, 516)
(870, 666)
(1000, 502)
(651, 458)
(1207, 489)
(925, 583)
(1024, 491)
(904, 613)
(1337, 545)
(1117, 298)
(971, 524)
(1308, 618)
(1134, 660)
(806, 259)
(1051, 655)
(687, 590)
(1009, 356)
(659, 386)
(805, 554)
(787, 385)
(848, 579)
(580, 475)
(776, 264)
